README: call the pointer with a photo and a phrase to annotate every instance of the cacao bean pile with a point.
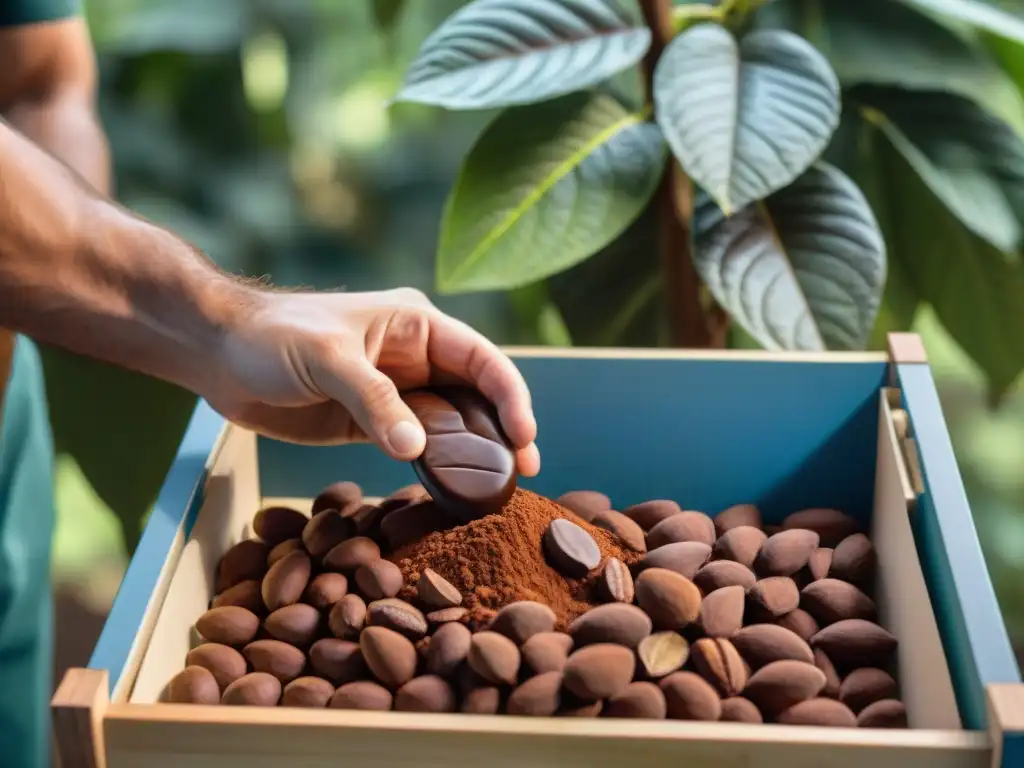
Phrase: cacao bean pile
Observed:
(720, 618)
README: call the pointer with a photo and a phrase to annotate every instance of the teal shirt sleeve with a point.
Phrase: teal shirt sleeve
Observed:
(14, 13)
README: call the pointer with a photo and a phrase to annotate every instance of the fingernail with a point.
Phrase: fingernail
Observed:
(406, 438)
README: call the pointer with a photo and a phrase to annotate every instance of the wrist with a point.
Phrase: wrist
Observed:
(171, 295)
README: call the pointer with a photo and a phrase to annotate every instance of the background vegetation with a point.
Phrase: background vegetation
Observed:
(260, 130)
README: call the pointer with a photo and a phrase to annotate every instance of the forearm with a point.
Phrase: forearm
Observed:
(66, 126)
(81, 273)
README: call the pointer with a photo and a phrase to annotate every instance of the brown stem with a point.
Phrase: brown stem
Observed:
(689, 325)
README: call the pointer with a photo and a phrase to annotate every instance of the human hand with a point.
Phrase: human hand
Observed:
(327, 368)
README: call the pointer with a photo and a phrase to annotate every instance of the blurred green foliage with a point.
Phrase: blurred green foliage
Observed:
(260, 130)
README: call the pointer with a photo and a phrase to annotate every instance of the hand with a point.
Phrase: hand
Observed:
(327, 368)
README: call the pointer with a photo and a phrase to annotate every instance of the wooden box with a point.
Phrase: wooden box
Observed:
(859, 432)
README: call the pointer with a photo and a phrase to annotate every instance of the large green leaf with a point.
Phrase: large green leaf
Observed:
(886, 43)
(976, 290)
(971, 160)
(984, 15)
(495, 53)
(546, 186)
(802, 270)
(744, 118)
(852, 150)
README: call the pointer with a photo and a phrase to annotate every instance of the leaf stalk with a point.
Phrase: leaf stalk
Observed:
(690, 324)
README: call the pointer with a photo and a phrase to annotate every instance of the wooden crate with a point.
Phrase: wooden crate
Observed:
(860, 432)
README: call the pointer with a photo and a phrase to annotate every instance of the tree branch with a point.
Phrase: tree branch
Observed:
(689, 325)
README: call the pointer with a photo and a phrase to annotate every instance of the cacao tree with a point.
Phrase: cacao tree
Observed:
(794, 174)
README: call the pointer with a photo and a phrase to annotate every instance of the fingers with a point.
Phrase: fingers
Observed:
(374, 402)
(458, 349)
(528, 460)
(325, 423)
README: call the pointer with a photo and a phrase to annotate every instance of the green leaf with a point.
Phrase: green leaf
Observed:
(615, 298)
(982, 15)
(546, 186)
(886, 43)
(976, 291)
(802, 270)
(386, 12)
(853, 151)
(495, 53)
(744, 119)
(971, 160)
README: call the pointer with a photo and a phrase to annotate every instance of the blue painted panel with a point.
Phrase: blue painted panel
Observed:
(973, 633)
(1013, 750)
(707, 433)
(176, 506)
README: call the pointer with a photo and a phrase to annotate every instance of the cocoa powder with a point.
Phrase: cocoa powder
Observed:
(498, 559)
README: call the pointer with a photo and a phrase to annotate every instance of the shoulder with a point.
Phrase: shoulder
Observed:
(18, 12)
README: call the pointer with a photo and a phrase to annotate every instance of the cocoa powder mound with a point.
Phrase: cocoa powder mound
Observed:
(499, 559)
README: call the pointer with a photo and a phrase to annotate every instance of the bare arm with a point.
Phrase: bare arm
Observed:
(48, 92)
(81, 273)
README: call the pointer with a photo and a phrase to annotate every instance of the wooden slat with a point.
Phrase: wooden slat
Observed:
(77, 709)
(168, 736)
(1006, 724)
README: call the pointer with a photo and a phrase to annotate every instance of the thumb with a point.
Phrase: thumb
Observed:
(374, 402)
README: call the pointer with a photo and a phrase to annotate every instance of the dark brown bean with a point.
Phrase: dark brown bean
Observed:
(616, 582)
(690, 697)
(224, 663)
(307, 692)
(629, 534)
(569, 549)
(737, 515)
(297, 624)
(642, 700)
(390, 656)
(650, 513)
(436, 591)
(347, 617)
(257, 689)
(585, 504)
(521, 620)
(363, 694)
(352, 553)
(228, 625)
(427, 693)
(379, 579)
(193, 685)
(325, 590)
(397, 615)
(277, 524)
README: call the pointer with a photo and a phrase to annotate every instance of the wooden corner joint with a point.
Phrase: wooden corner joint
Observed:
(77, 709)
(1006, 723)
(906, 348)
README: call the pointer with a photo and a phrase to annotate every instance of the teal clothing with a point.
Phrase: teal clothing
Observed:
(26, 532)
(26, 521)
(14, 13)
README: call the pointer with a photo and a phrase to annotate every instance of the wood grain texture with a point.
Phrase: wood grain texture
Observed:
(77, 709)
(231, 496)
(142, 589)
(906, 348)
(905, 608)
(169, 736)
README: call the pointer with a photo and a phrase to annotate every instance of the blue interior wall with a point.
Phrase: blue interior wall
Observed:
(706, 433)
